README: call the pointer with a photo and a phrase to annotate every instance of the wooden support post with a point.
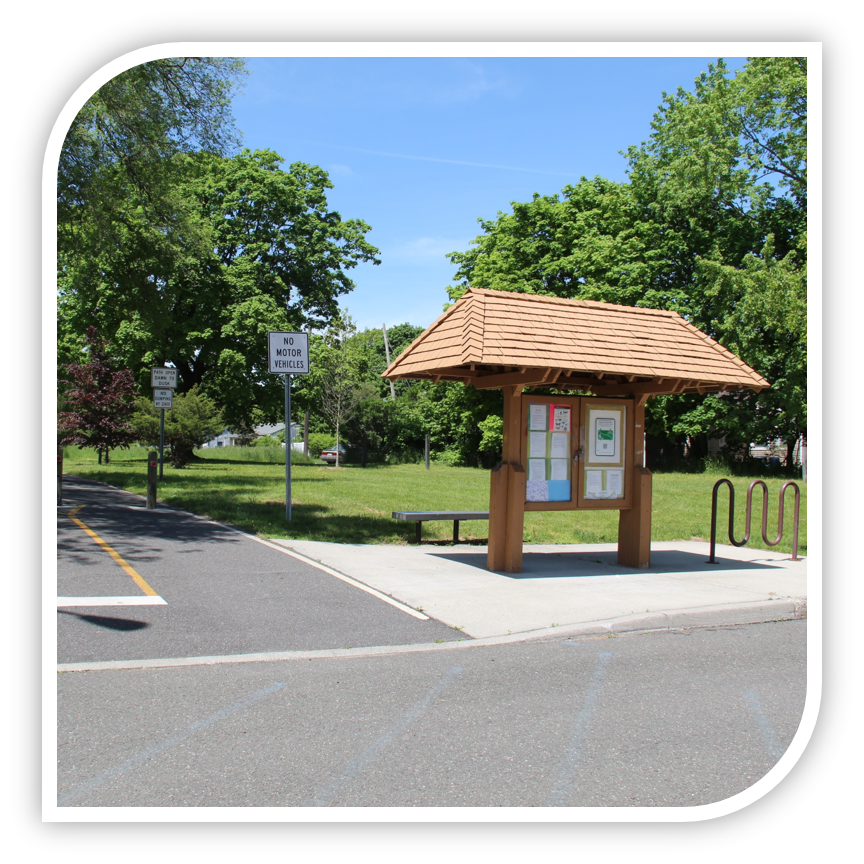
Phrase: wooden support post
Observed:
(497, 517)
(515, 520)
(634, 525)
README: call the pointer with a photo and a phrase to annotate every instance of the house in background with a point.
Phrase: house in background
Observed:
(230, 439)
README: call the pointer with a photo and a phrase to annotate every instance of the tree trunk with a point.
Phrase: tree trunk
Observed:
(337, 443)
(99, 451)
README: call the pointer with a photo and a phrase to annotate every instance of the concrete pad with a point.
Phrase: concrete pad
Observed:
(567, 585)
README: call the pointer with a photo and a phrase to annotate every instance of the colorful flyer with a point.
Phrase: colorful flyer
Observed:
(536, 490)
(560, 418)
(537, 417)
(604, 439)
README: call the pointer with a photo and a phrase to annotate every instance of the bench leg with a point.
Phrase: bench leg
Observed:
(455, 531)
(417, 532)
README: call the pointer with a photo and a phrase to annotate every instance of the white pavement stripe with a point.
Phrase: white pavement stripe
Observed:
(138, 600)
(373, 591)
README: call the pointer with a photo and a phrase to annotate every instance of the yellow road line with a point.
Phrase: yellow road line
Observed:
(127, 567)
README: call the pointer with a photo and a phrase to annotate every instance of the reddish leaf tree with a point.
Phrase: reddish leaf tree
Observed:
(101, 399)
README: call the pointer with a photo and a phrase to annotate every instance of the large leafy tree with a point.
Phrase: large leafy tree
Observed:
(711, 224)
(259, 250)
(98, 402)
(128, 132)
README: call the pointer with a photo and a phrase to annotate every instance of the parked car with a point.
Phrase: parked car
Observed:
(329, 455)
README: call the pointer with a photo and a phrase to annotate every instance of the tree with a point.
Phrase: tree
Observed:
(263, 252)
(192, 421)
(711, 222)
(339, 374)
(100, 399)
(127, 134)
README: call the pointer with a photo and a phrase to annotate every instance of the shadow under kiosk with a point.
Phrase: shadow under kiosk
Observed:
(580, 447)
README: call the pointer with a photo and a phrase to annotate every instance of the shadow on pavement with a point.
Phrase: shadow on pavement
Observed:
(106, 622)
(580, 565)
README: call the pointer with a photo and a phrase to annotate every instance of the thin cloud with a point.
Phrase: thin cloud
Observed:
(451, 161)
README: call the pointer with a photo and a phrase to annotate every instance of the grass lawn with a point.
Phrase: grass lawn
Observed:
(353, 505)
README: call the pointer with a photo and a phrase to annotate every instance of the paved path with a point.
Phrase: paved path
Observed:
(223, 592)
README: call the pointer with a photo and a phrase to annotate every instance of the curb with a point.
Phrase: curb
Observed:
(788, 609)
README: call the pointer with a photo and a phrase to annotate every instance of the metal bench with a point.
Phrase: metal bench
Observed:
(421, 516)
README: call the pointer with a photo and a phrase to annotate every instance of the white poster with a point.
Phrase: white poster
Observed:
(615, 483)
(537, 417)
(559, 445)
(536, 469)
(537, 444)
(593, 484)
(559, 469)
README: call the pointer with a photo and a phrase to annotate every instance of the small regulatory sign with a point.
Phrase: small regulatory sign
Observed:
(288, 353)
(163, 398)
(162, 376)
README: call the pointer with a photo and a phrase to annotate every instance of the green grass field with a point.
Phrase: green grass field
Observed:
(350, 504)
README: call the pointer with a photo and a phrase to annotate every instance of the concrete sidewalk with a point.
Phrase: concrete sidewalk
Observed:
(580, 589)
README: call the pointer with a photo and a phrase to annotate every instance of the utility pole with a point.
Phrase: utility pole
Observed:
(387, 350)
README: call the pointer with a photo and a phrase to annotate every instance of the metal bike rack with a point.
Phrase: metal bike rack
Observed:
(748, 515)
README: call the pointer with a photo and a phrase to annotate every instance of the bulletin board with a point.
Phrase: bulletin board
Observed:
(606, 439)
(575, 452)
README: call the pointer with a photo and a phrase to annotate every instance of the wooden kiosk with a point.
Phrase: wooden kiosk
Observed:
(570, 452)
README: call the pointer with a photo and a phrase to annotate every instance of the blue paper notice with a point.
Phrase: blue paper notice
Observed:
(559, 490)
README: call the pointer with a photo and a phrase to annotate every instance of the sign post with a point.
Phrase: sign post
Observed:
(163, 381)
(288, 354)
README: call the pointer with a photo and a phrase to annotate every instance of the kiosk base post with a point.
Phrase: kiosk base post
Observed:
(634, 525)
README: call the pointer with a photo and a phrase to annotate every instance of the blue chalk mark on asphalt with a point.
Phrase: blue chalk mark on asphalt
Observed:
(769, 736)
(325, 797)
(167, 744)
(563, 787)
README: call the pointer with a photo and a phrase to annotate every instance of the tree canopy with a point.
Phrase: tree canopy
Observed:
(711, 224)
(257, 249)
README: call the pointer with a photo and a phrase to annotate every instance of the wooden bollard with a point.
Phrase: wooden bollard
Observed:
(152, 479)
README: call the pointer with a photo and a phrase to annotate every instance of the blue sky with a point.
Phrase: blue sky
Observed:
(421, 148)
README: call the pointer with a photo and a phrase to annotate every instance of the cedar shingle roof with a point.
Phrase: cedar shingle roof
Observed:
(496, 338)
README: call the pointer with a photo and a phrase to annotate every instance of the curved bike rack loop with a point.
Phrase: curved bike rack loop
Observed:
(748, 515)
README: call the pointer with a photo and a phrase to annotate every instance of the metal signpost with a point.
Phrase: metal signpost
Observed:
(288, 354)
(163, 381)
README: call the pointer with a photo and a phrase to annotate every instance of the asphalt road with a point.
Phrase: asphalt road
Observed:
(655, 719)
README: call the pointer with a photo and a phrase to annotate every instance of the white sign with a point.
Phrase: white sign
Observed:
(161, 376)
(288, 353)
(163, 398)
